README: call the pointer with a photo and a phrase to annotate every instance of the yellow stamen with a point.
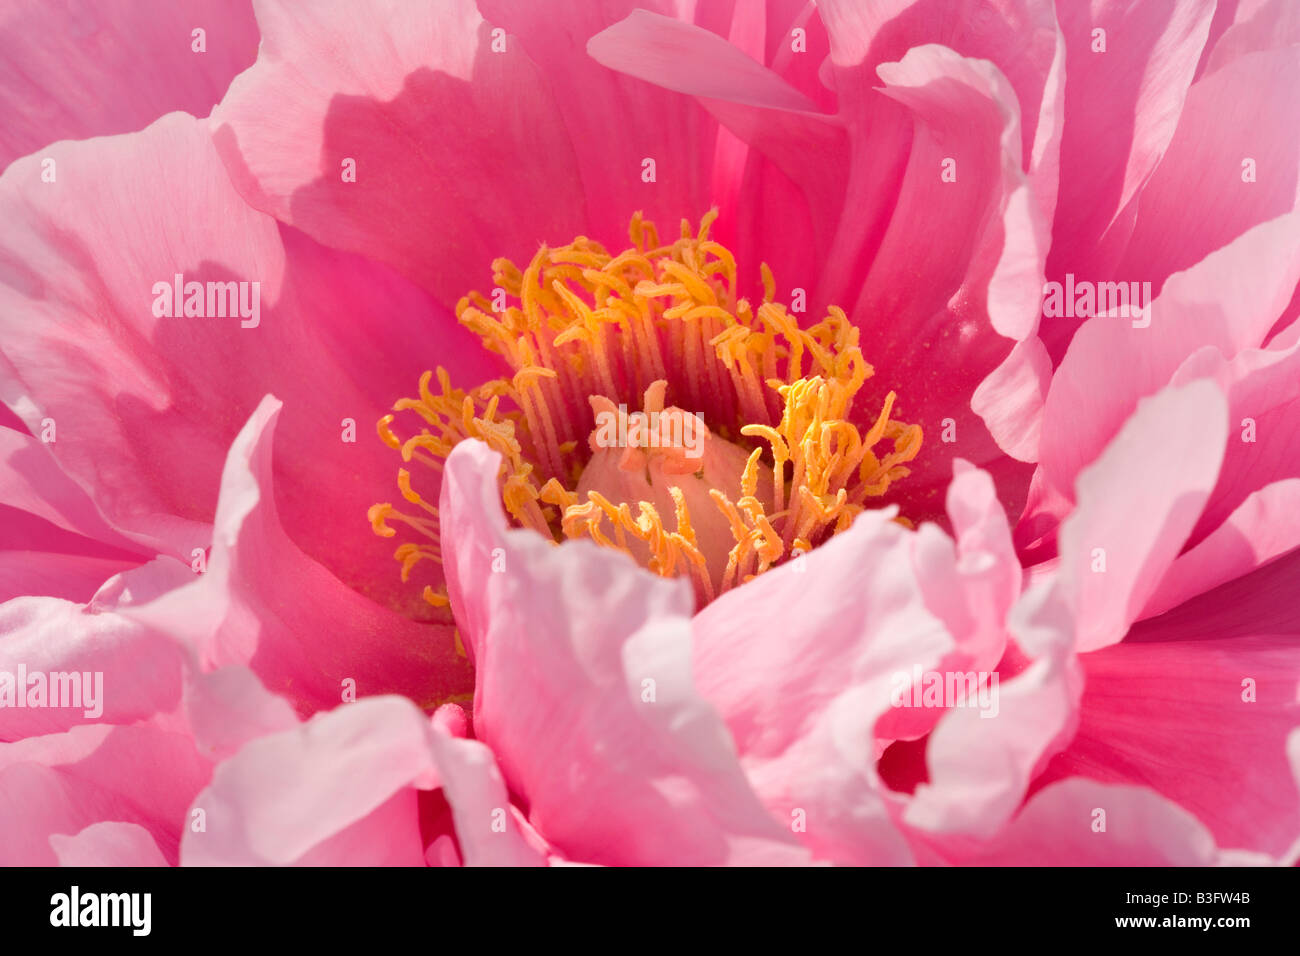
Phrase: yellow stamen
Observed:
(587, 333)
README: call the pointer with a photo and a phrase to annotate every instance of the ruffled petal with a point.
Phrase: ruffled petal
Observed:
(263, 603)
(584, 692)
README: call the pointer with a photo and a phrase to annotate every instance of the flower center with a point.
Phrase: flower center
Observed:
(772, 460)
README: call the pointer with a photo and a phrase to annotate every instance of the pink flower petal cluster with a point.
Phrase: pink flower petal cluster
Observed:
(1106, 511)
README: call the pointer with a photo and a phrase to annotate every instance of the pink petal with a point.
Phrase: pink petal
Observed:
(108, 844)
(146, 773)
(263, 603)
(71, 577)
(1243, 111)
(981, 277)
(1175, 713)
(488, 834)
(1137, 504)
(145, 422)
(1012, 398)
(801, 663)
(227, 708)
(1020, 37)
(342, 788)
(1264, 388)
(73, 70)
(1228, 302)
(1121, 110)
(980, 770)
(1141, 829)
(458, 157)
(584, 692)
(753, 102)
(32, 481)
(337, 791)
(139, 672)
(1263, 25)
(1264, 526)
(592, 104)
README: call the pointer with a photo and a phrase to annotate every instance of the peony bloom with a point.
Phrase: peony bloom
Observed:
(403, 486)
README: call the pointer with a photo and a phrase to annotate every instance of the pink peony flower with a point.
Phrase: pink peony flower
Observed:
(930, 497)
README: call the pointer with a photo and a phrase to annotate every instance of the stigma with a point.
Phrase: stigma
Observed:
(769, 446)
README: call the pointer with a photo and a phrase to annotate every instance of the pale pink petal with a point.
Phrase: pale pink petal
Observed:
(119, 670)
(1137, 503)
(1062, 826)
(108, 844)
(263, 603)
(146, 773)
(228, 707)
(980, 769)
(1228, 302)
(1011, 399)
(584, 692)
(73, 69)
(1264, 526)
(485, 828)
(801, 663)
(339, 791)
(1256, 25)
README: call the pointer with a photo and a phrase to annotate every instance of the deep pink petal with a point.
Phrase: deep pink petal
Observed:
(1121, 109)
(458, 157)
(951, 311)
(781, 125)
(1020, 38)
(1185, 717)
(32, 481)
